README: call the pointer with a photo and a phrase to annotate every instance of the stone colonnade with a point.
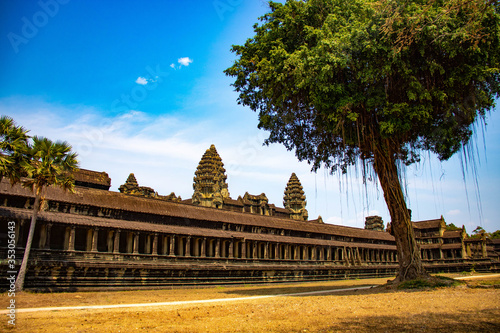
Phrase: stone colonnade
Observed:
(71, 238)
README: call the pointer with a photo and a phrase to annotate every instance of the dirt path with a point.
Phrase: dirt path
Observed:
(217, 300)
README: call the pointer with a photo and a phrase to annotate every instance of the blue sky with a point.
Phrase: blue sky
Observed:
(137, 86)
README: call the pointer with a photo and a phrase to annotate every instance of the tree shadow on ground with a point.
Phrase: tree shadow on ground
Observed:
(284, 290)
(486, 321)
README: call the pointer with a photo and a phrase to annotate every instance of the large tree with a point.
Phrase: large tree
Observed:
(51, 164)
(373, 81)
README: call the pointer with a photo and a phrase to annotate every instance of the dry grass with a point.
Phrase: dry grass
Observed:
(456, 309)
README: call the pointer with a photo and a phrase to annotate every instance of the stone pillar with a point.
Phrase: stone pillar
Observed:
(266, 250)
(277, 251)
(155, 244)
(172, 246)
(296, 252)
(71, 240)
(130, 242)
(110, 241)
(164, 247)
(346, 259)
(287, 251)
(95, 235)
(203, 247)
(47, 240)
(116, 242)
(254, 251)
(43, 236)
(136, 243)
(231, 248)
(188, 246)
(217, 248)
(243, 249)
(147, 244)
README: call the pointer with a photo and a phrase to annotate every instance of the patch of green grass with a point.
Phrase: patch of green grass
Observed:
(433, 282)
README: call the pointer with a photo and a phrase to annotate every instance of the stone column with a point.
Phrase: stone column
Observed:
(231, 248)
(47, 240)
(203, 252)
(217, 248)
(266, 250)
(116, 242)
(255, 250)
(43, 236)
(287, 251)
(110, 241)
(172, 246)
(188, 246)
(147, 244)
(71, 239)
(164, 247)
(277, 253)
(130, 242)
(155, 244)
(95, 235)
(136, 243)
(243, 249)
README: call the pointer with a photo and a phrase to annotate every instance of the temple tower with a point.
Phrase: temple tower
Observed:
(374, 223)
(209, 183)
(295, 200)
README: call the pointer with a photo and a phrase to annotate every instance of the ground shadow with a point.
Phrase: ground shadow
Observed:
(283, 290)
(486, 321)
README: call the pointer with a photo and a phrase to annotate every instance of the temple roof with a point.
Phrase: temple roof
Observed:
(428, 224)
(89, 178)
(115, 200)
(100, 222)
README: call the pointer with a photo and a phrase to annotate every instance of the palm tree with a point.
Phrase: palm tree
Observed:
(13, 150)
(51, 164)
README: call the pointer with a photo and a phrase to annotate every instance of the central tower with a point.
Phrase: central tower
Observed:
(209, 182)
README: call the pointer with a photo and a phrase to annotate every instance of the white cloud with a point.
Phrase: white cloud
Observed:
(172, 66)
(185, 61)
(454, 212)
(141, 80)
(164, 151)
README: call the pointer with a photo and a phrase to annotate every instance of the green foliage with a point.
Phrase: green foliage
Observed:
(330, 78)
(52, 163)
(452, 227)
(433, 282)
(13, 150)
(478, 232)
(495, 235)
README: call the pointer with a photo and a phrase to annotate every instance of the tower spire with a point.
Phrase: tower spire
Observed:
(294, 199)
(209, 182)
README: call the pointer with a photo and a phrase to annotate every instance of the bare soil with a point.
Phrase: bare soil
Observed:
(381, 309)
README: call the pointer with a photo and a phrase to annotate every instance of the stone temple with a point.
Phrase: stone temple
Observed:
(101, 239)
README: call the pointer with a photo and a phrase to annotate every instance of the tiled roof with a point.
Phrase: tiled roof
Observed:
(92, 177)
(115, 200)
(99, 222)
(427, 224)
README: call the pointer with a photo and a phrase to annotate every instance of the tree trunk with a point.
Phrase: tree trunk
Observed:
(410, 262)
(24, 263)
